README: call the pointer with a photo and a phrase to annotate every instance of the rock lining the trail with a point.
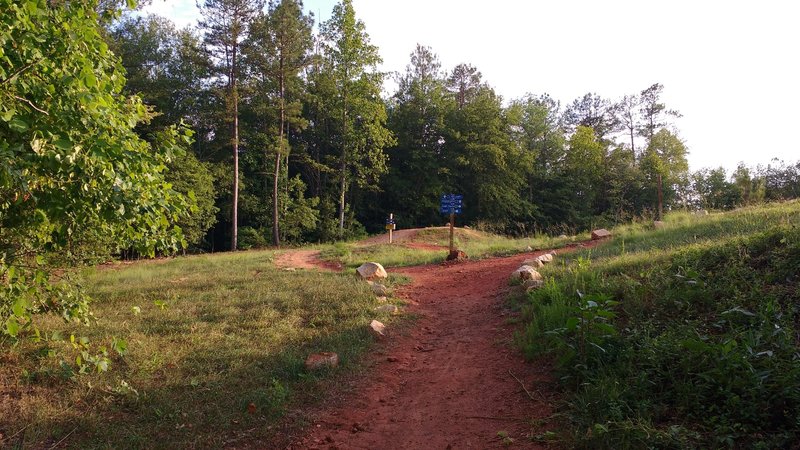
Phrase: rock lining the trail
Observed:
(533, 262)
(600, 233)
(378, 289)
(322, 360)
(372, 271)
(526, 273)
(377, 329)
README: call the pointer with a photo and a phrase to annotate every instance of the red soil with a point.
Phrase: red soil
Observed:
(454, 380)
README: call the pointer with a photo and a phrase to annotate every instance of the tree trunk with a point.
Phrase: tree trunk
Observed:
(660, 199)
(235, 213)
(276, 236)
(343, 163)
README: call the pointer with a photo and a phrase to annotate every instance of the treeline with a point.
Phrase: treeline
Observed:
(293, 141)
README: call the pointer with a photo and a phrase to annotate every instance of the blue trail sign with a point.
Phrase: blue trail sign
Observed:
(450, 203)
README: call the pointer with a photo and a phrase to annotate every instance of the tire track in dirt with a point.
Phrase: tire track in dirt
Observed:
(454, 380)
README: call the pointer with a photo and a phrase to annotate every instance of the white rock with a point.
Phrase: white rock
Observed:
(526, 273)
(562, 236)
(546, 258)
(600, 234)
(377, 329)
(533, 262)
(372, 271)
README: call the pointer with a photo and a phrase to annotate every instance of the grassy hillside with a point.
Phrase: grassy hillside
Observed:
(686, 336)
(215, 352)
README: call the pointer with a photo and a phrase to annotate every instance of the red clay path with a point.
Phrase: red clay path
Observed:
(454, 380)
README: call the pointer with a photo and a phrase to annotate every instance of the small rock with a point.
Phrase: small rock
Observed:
(529, 248)
(466, 227)
(562, 236)
(371, 271)
(391, 309)
(546, 258)
(289, 269)
(533, 262)
(701, 212)
(526, 273)
(532, 285)
(658, 224)
(379, 289)
(378, 329)
(382, 299)
(601, 233)
(322, 360)
(456, 255)
(392, 359)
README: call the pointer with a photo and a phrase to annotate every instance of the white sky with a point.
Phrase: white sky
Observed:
(730, 67)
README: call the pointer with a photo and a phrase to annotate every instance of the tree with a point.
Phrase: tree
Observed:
(72, 170)
(655, 114)
(594, 112)
(627, 111)
(278, 48)
(664, 161)
(417, 176)
(361, 135)
(225, 23)
(464, 82)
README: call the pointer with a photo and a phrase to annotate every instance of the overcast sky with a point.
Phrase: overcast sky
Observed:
(730, 67)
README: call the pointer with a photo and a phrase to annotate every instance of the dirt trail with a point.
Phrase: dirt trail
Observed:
(304, 259)
(450, 381)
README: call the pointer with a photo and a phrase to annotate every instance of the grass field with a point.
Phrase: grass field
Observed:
(215, 352)
(681, 337)
(476, 244)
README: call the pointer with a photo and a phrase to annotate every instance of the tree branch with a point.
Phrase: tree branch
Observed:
(31, 104)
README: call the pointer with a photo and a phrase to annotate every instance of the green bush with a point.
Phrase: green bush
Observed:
(697, 348)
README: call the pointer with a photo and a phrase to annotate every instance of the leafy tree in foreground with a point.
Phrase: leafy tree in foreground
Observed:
(72, 170)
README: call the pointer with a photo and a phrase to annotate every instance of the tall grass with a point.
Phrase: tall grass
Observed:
(680, 337)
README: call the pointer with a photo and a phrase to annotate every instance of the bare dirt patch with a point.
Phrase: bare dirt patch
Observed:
(454, 380)
(305, 259)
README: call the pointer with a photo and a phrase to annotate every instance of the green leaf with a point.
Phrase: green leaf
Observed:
(12, 326)
(572, 323)
(19, 306)
(18, 125)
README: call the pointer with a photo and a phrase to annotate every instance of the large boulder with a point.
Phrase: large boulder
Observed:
(322, 360)
(601, 233)
(372, 271)
(526, 273)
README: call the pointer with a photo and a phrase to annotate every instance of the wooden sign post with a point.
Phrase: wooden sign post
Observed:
(390, 226)
(451, 204)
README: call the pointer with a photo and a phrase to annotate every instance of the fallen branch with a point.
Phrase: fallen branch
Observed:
(521, 384)
(63, 439)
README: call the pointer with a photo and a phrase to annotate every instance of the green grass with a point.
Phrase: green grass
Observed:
(682, 337)
(214, 335)
(476, 244)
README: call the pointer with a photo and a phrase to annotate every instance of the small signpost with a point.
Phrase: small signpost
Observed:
(451, 204)
(390, 225)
